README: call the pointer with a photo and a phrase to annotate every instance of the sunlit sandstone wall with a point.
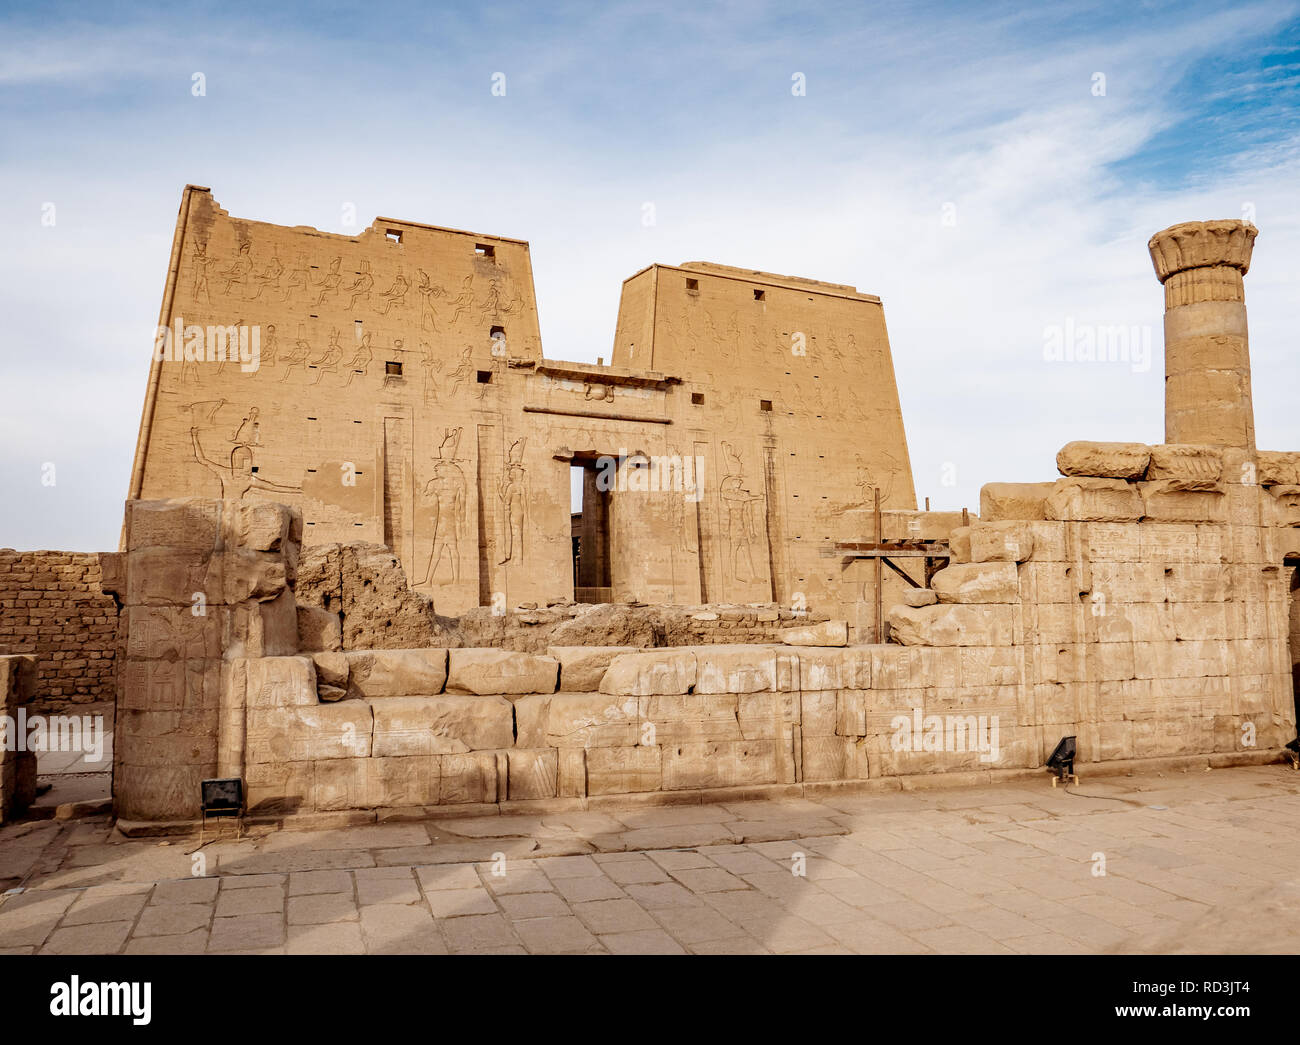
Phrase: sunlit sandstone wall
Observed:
(797, 376)
(460, 462)
(1145, 620)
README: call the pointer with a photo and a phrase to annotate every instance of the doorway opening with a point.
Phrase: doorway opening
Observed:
(589, 507)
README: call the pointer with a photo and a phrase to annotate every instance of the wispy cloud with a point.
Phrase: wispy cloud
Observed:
(987, 115)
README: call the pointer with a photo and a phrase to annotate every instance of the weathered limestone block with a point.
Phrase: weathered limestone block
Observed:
(623, 770)
(1277, 468)
(17, 681)
(651, 673)
(1196, 467)
(721, 764)
(991, 666)
(920, 597)
(191, 524)
(582, 667)
(977, 582)
(590, 720)
(824, 757)
(468, 778)
(157, 576)
(1169, 500)
(403, 782)
(571, 772)
(959, 544)
(1010, 501)
(827, 633)
(952, 625)
(819, 712)
(263, 627)
(441, 725)
(532, 774)
(895, 667)
(734, 669)
(821, 669)
(244, 576)
(913, 525)
(1080, 499)
(276, 682)
(1285, 505)
(689, 718)
(263, 526)
(396, 672)
(1104, 460)
(331, 668)
(280, 787)
(531, 712)
(299, 734)
(764, 715)
(1001, 542)
(318, 630)
(501, 671)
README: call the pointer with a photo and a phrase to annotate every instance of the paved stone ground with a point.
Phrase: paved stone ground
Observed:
(1002, 869)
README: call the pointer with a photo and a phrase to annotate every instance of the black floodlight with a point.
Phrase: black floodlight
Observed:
(1061, 761)
(222, 797)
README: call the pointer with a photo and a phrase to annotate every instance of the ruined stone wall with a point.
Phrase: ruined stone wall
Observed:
(359, 593)
(1145, 619)
(53, 607)
(1141, 602)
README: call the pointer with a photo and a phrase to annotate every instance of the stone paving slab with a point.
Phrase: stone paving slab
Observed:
(1190, 862)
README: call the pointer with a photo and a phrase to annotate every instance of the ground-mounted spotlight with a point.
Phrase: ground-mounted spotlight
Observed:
(221, 797)
(1061, 761)
(1293, 753)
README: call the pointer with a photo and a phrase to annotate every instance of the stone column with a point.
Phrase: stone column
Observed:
(1207, 357)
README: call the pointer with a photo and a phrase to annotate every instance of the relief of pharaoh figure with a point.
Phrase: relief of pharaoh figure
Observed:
(740, 526)
(446, 497)
(513, 495)
(237, 473)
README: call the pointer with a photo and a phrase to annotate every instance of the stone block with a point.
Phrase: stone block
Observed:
(441, 725)
(959, 544)
(623, 770)
(532, 774)
(821, 669)
(299, 734)
(919, 597)
(319, 630)
(827, 633)
(1169, 500)
(501, 671)
(721, 764)
(1104, 460)
(191, 524)
(262, 525)
(331, 668)
(1001, 542)
(734, 669)
(17, 681)
(276, 682)
(977, 582)
(1196, 467)
(952, 625)
(1079, 499)
(1010, 501)
(468, 778)
(590, 720)
(689, 718)
(531, 712)
(1277, 468)
(582, 667)
(396, 672)
(651, 673)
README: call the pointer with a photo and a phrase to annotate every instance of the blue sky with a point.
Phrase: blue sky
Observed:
(986, 114)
